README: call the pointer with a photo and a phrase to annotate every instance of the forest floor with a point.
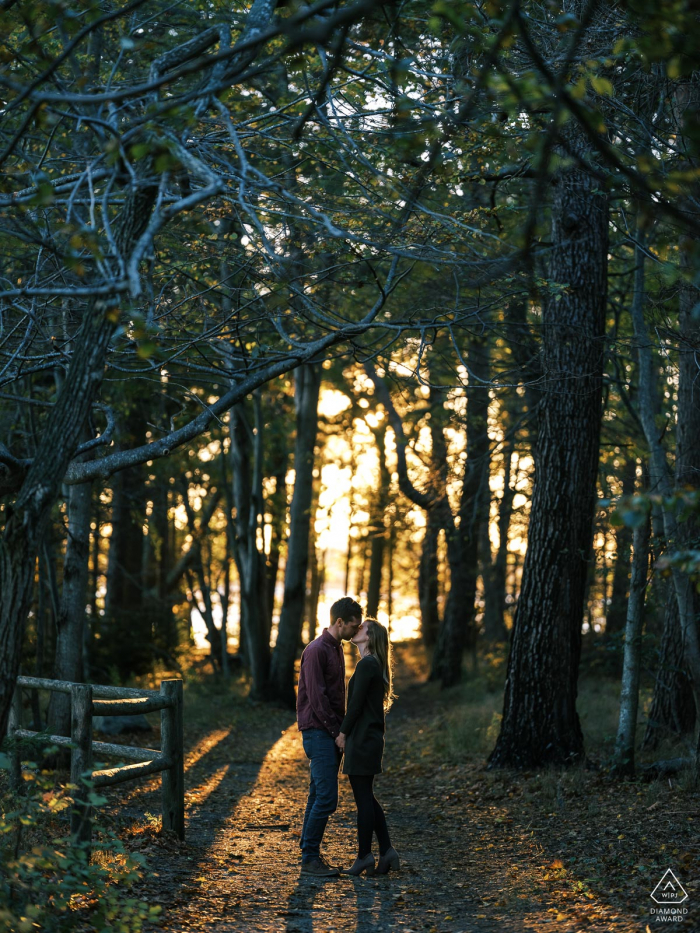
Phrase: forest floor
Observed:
(481, 851)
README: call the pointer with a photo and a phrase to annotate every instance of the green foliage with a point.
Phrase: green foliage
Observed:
(47, 884)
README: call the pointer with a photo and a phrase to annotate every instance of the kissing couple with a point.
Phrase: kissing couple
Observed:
(329, 731)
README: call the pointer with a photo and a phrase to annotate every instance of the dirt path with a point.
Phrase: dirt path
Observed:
(475, 857)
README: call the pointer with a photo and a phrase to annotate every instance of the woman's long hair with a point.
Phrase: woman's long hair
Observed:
(379, 645)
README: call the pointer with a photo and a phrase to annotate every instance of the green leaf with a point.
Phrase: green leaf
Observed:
(601, 86)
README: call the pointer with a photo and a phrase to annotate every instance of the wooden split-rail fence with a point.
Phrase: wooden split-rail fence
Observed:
(88, 700)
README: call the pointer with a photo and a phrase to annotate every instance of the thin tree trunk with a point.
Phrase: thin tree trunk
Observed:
(623, 757)
(247, 467)
(458, 628)
(316, 583)
(617, 610)
(495, 576)
(428, 580)
(540, 724)
(391, 548)
(277, 507)
(40, 634)
(225, 603)
(377, 527)
(429, 570)
(308, 383)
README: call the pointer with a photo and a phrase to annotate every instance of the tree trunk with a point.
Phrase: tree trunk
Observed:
(540, 724)
(70, 622)
(428, 584)
(25, 527)
(246, 461)
(687, 453)
(495, 575)
(623, 757)
(377, 526)
(615, 619)
(458, 629)
(672, 707)
(277, 508)
(308, 383)
(429, 570)
(317, 580)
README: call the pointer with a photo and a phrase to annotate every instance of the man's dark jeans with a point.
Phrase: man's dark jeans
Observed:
(324, 757)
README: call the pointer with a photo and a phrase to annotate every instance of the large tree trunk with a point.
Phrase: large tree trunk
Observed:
(540, 724)
(127, 639)
(672, 707)
(687, 454)
(308, 383)
(688, 429)
(458, 629)
(26, 525)
(70, 623)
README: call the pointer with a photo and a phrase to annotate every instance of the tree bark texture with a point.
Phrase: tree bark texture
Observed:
(307, 386)
(70, 623)
(540, 724)
(672, 709)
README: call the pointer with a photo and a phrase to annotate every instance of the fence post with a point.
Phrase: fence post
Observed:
(171, 746)
(15, 723)
(80, 759)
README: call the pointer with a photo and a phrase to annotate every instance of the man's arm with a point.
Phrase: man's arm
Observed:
(317, 693)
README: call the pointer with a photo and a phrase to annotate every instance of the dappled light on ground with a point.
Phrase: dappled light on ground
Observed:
(481, 852)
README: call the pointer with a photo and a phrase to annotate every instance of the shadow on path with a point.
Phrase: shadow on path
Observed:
(465, 869)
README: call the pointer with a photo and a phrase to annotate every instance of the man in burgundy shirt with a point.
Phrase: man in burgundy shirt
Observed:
(320, 710)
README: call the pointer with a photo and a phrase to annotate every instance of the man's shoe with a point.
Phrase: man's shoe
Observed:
(317, 867)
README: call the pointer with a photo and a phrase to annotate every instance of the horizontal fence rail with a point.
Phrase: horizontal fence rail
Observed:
(88, 700)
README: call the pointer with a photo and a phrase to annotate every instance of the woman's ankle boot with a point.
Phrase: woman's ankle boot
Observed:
(389, 860)
(360, 865)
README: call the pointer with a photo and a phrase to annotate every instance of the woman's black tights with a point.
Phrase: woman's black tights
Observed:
(370, 816)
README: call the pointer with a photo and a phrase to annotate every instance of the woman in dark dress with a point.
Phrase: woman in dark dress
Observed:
(362, 739)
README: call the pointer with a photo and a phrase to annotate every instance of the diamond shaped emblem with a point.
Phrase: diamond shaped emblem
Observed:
(669, 890)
